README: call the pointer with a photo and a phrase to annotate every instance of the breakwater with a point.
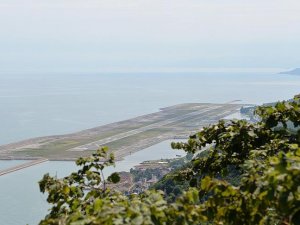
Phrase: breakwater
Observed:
(22, 166)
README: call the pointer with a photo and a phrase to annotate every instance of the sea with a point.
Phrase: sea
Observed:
(43, 104)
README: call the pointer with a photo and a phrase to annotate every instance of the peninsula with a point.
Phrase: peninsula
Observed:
(124, 137)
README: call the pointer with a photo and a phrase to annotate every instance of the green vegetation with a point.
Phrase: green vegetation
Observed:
(172, 184)
(263, 156)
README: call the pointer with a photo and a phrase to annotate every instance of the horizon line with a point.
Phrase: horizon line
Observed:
(150, 70)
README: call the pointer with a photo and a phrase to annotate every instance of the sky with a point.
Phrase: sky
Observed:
(148, 35)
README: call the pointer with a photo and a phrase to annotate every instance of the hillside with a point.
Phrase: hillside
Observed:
(250, 169)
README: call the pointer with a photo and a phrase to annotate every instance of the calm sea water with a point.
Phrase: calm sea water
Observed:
(38, 105)
(21, 201)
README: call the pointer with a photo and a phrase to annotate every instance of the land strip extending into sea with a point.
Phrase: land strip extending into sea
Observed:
(125, 137)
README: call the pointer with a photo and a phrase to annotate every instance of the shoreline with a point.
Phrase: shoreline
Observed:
(149, 154)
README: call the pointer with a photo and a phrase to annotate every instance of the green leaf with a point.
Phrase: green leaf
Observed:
(114, 178)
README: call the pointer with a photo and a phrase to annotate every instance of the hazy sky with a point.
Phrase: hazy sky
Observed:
(103, 35)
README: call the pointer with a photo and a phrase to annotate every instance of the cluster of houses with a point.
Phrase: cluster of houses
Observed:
(129, 184)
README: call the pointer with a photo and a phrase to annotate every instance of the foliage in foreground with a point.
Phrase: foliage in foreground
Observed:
(266, 154)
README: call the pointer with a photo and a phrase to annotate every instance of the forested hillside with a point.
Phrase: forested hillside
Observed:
(249, 175)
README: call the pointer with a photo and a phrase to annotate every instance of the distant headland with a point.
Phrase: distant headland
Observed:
(292, 72)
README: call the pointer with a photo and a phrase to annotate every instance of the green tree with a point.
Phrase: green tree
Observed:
(265, 156)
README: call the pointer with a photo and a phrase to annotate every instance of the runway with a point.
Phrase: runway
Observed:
(124, 137)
